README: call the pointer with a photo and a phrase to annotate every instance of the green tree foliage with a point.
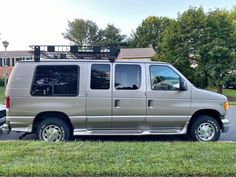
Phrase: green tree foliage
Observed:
(111, 36)
(150, 32)
(218, 49)
(232, 15)
(82, 32)
(201, 45)
(181, 42)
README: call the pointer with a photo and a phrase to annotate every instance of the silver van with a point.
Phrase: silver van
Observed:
(57, 99)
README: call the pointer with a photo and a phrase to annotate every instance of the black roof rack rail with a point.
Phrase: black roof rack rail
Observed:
(74, 52)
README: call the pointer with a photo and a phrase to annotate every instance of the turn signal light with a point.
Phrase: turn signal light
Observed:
(226, 105)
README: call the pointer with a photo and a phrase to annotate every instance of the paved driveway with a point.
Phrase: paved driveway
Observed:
(230, 136)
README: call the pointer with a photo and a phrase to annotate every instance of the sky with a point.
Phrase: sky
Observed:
(42, 22)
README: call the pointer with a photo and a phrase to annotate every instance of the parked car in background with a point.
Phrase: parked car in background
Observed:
(231, 85)
(2, 114)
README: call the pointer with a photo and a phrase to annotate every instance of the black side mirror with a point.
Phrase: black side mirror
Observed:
(183, 85)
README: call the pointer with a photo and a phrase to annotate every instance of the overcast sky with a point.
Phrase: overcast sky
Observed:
(27, 22)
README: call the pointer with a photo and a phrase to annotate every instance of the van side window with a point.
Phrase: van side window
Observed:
(100, 76)
(163, 78)
(55, 81)
(127, 77)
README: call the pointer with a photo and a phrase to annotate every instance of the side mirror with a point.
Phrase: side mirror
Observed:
(183, 85)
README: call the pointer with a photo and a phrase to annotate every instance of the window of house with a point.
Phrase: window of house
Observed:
(55, 81)
(127, 77)
(164, 78)
(13, 61)
(100, 76)
(8, 62)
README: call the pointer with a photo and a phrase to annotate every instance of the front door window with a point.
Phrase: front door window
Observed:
(163, 78)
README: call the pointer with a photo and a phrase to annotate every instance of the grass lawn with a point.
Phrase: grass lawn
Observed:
(29, 158)
(2, 96)
(227, 92)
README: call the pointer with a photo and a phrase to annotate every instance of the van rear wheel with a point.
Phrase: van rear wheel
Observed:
(53, 130)
(204, 128)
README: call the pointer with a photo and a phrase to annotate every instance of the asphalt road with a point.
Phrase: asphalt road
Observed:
(229, 136)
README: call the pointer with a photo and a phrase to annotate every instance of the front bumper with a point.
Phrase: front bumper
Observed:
(225, 125)
(6, 128)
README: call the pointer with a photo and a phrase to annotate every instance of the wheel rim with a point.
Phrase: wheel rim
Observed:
(52, 133)
(206, 131)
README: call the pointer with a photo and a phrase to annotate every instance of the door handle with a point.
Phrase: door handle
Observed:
(150, 103)
(117, 103)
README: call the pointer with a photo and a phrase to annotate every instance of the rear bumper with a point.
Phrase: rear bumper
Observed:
(18, 123)
(225, 125)
(2, 121)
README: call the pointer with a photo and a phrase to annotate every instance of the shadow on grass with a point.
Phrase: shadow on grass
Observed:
(144, 138)
(133, 138)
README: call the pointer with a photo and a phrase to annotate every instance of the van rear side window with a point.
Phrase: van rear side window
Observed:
(127, 77)
(55, 81)
(100, 76)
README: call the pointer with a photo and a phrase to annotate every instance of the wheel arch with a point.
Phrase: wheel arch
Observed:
(208, 112)
(53, 114)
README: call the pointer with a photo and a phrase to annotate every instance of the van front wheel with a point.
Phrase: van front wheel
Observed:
(52, 130)
(204, 128)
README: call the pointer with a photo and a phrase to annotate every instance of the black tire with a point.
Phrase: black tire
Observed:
(194, 130)
(56, 124)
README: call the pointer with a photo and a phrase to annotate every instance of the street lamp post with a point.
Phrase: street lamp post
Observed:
(5, 44)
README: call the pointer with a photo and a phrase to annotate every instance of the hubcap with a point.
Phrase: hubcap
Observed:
(206, 131)
(51, 133)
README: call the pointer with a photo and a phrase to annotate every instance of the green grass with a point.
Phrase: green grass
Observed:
(117, 159)
(227, 92)
(2, 95)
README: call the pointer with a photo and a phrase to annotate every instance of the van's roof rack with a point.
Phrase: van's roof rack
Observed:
(74, 52)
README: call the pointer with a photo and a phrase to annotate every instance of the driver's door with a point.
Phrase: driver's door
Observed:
(167, 106)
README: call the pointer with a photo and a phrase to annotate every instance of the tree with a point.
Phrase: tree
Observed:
(218, 51)
(82, 32)
(111, 36)
(181, 42)
(232, 14)
(206, 40)
(150, 32)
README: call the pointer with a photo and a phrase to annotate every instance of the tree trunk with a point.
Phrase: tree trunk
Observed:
(220, 89)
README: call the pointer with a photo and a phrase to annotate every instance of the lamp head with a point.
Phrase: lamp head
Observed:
(5, 44)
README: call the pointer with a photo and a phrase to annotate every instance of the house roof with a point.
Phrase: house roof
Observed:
(136, 53)
(16, 53)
